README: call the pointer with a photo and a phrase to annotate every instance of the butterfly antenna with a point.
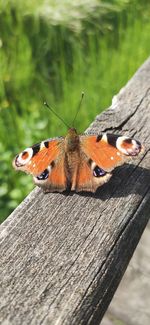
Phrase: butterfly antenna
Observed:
(78, 108)
(60, 118)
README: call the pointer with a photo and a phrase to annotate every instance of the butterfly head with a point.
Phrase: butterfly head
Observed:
(72, 132)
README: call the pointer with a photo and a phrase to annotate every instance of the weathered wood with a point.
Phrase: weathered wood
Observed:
(131, 302)
(63, 255)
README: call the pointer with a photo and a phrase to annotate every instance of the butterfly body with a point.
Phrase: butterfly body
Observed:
(78, 162)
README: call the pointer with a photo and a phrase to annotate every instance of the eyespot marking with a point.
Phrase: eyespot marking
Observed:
(129, 141)
(25, 155)
(23, 158)
(128, 146)
(99, 172)
(119, 144)
(44, 175)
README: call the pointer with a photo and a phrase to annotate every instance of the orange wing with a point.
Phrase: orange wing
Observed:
(46, 162)
(95, 157)
(109, 150)
(84, 180)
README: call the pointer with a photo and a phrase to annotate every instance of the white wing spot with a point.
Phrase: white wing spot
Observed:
(104, 137)
(42, 145)
(33, 165)
(119, 143)
(112, 158)
(118, 153)
(93, 165)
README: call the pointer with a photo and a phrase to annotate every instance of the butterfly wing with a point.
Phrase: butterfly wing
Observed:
(85, 167)
(109, 150)
(88, 176)
(99, 156)
(46, 162)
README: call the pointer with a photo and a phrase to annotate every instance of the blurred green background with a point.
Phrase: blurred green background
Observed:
(53, 50)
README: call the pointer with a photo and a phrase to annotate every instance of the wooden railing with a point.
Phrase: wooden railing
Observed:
(63, 256)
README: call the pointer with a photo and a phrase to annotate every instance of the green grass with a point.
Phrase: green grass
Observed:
(42, 59)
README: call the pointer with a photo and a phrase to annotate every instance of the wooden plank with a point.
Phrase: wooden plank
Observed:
(63, 255)
(131, 302)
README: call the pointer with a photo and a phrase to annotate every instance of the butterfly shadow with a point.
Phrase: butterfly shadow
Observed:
(127, 179)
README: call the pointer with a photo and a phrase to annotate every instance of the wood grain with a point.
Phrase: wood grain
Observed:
(63, 255)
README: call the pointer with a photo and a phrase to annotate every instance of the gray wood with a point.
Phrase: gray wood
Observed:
(63, 255)
(131, 302)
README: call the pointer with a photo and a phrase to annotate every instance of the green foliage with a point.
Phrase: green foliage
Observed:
(53, 51)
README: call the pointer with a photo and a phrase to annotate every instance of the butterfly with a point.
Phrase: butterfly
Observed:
(78, 162)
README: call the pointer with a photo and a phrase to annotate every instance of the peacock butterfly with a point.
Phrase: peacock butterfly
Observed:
(79, 162)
